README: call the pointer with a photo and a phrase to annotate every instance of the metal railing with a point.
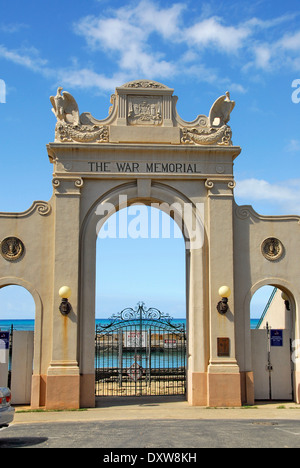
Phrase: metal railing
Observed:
(266, 308)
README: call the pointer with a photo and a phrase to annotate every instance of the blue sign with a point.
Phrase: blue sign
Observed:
(4, 340)
(276, 338)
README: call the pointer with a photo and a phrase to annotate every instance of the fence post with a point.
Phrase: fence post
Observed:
(10, 355)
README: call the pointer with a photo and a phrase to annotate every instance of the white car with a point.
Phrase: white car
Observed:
(7, 412)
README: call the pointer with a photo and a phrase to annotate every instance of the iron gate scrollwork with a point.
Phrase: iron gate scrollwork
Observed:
(140, 352)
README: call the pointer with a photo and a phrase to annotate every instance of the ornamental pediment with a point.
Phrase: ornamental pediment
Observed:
(142, 111)
(145, 84)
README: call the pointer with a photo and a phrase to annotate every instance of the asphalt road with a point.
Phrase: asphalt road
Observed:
(153, 435)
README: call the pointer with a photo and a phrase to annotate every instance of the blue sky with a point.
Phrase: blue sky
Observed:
(201, 49)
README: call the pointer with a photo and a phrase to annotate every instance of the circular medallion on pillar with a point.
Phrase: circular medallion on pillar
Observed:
(272, 249)
(12, 249)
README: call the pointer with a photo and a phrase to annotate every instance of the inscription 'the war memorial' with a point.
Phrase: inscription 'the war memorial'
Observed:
(144, 167)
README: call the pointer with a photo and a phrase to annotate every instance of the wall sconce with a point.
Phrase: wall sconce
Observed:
(222, 306)
(65, 306)
(285, 297)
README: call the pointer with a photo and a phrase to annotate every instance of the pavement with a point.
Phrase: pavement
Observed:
(143, 427)
(158, 408)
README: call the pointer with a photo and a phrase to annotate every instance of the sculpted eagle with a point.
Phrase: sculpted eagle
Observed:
(65, 107)
(220, 112)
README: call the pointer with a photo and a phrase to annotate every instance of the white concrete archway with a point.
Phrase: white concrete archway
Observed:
(165, 197)
(144, 152)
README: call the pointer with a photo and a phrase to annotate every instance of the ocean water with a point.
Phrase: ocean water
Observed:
(28, 325)
(21, 325)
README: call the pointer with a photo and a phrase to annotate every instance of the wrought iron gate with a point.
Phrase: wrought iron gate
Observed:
(140, 352)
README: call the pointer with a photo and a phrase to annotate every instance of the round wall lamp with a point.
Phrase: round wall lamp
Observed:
(65, 306)
(224, 293)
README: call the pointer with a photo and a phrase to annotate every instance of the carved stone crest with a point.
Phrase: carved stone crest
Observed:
(145, 110)
(12, 249)
(272, 249)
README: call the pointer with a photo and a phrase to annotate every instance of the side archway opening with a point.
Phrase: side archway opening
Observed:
(272, 318)
(17, 325)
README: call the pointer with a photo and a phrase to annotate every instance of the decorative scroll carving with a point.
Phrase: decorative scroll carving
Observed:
(56, 182)
(272, 249)
(79, 183)
(207, 136)
(43, 209)
(141, 314)
(81, 133)
(144, 84)
(68, 188)
(246, 211)
(209, 184)
(12, 249)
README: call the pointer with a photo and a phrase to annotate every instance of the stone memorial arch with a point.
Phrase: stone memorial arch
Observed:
(144, 152)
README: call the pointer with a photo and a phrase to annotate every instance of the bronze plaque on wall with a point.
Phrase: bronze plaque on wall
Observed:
(223, 347)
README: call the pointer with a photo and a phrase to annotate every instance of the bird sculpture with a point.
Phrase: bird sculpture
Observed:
(65, 107)
(220, 112)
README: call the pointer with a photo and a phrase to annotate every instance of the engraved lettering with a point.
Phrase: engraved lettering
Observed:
(99, 166)
(136, 168)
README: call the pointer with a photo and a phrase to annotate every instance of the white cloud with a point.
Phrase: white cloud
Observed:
(110, 33)
(293, 146)
(164, 21)
(263, 55)
(290, 42)
(273, 22)
(87, 78)
(284, 195)
(271, 55)
(127, 33)
(140, 39)
(11, 28)
(212, 33)
(28, 58)
(137, 36)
